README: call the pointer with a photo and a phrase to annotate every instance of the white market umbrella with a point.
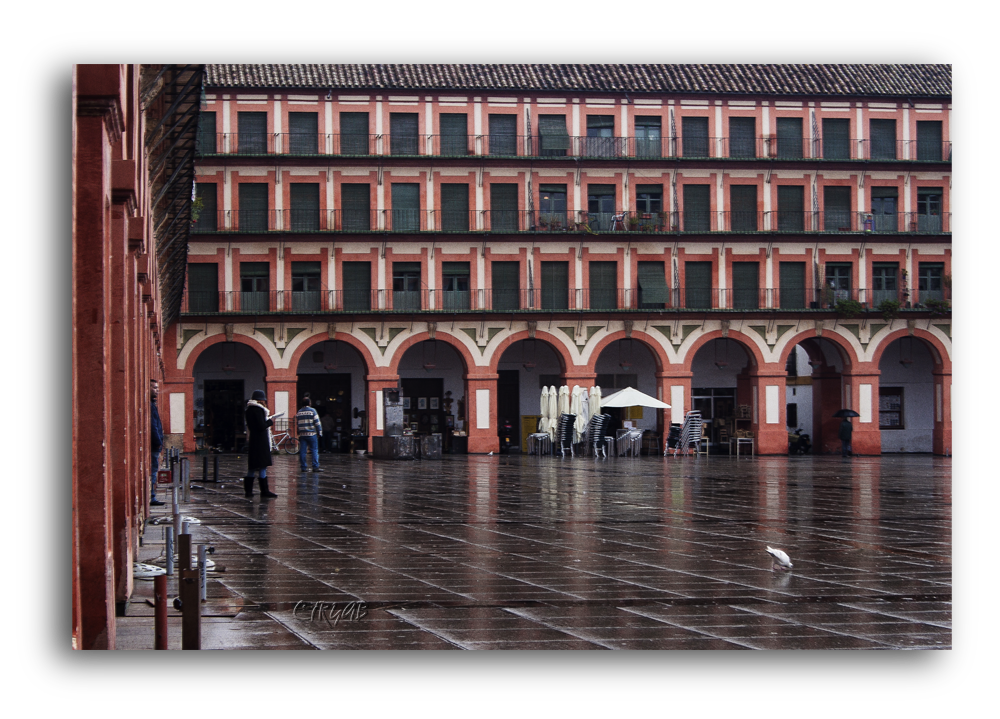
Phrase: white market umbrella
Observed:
(575, 409)
(631, 397)
(543, 425)
(596, 404)
(553, 411)
(563, 401)
(585, 406)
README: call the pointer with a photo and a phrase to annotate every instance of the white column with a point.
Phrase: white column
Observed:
(771, 413)
(177, 413)
(482, 409)
(677, 403)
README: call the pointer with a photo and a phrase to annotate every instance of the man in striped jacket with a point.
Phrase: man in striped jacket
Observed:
(309, 431)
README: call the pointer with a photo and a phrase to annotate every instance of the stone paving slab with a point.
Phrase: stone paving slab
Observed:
(512, 552)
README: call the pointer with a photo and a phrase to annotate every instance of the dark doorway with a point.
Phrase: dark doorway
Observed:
(509, 403)
(425, 412)
(330, 395)
(223, 412)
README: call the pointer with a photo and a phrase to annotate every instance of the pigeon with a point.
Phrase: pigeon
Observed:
(490, 454)
(781, 560)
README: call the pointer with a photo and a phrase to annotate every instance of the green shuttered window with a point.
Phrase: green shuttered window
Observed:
(455, 207)
(503, 207)
(405, 207)
(697, 212)
(354, 133)
(698, 281)
(355, 200)
(555, 285)
(253, 214)
(203, 287)
(836, 139)
(746, 295)
(357, 277)
(454, 134)
(303, 133)
(506, 279)
(305, 206)
(603, 285)
(694, 137)
(652, 285)
(251, 133)
(792, 285)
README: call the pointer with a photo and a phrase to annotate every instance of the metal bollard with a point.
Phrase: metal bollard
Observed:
(215, 470)
(160, 607)
(204, 468)
(184, 526)
(188, 594)
(175, 473)
(170, 551)
(185, 465)
(202, 572)
(173, 498)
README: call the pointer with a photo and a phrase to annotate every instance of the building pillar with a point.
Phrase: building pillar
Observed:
(861, 395)
(481, 413)
(942, 413)
(766, 387)
(281, 389)
(675, 387)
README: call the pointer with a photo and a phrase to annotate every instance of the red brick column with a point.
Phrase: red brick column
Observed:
(767, 406)
(942, 413)
(861, 395)
(376, 383)
(482, 428)
(675, 387)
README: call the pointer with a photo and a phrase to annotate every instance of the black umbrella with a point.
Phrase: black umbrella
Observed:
(846, 413)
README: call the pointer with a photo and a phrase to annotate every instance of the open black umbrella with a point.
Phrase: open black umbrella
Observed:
(846, 413)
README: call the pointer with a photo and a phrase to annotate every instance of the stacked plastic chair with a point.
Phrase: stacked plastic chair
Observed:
(595, 434)
(690, 433)
(673, 437)
(564, 433)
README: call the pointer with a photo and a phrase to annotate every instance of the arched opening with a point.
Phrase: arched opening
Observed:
(721, 391)
(432, 378)
(333, 373)
(906, 401)
(522, 370)
(225, 375)
(814, 391)
(629, 363)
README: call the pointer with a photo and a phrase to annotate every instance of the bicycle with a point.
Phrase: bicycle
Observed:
(286, 442)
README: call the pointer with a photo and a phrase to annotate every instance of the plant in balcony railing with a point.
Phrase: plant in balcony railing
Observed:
(936, 306)
(197, 205)
(849, 308)
(889, 309)
(633, 223)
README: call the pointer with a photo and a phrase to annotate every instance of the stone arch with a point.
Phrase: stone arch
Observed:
(659, 355)
(199, 348)
(415, 339)
(565, 360)
(745, 341)
(311, 341)
(847, 353)
(942, 360)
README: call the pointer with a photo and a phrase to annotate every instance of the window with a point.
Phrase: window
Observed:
(647, 136)
(743, 208)
(929, 143)
(697, 213)
(884, 204)
(357, 278)
(930, 279)
(603, 285)
(838, 282)
(600, 140)
(403, 133)
(305, 206)
(253, 216)
(306, 286)
(694, 137)
(649, 208)
(600, 207)
(503, 208)
(746, 285)
(792, 279)
(552, 207)
(455, 285)
(503, 135)
(554, 139)
(791, 208)
(506, 278)
(929, 209)
(555, 285)
(836, 139)
(837, 209)
(254, 286)
(789, 131)
(454, 134)
(405, 207)
(208, 218)
(356, 202)
(742, 137)
(890, 408)
(303, 133)
(455, 207)
(792, 413)
(406, 285)
(206, 133)
(354, 133)
(203, 287)
(698, 281)
(251, 133)
(884, 287)
(883, 139)
(652, 285)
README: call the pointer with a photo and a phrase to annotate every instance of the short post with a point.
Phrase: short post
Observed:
(160, 605)
(204, 468)
(170, 551)
(202, 572)
(215, 470)
(188, 591)
(186, 478)
(174, 498)
(175, 473)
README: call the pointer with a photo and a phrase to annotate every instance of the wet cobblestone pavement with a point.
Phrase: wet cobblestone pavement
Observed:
(514, 552)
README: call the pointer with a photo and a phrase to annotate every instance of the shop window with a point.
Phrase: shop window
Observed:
(890, 408)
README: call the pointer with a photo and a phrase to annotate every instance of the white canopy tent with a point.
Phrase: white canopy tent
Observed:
(631, 397)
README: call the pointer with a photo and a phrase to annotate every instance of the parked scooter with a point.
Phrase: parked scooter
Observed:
(506, 435)
(798, 442)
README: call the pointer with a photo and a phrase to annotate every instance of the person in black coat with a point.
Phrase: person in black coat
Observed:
(258, 444)
(846, 431)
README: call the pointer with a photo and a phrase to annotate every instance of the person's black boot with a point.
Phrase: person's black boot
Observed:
(264, 491)
(248, 486)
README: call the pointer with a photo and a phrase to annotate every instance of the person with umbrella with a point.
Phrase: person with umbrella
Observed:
(846, 430)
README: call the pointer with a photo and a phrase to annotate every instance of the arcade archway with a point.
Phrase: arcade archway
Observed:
(432, 376)
(225, 375)
(333, 373)
(907, 404)
(720, 389)
(522, 370)
(814, 390)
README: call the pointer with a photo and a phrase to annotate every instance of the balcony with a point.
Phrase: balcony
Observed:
(592, 148)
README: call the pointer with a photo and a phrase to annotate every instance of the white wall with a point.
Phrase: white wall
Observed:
(917, 381)
(802, 394)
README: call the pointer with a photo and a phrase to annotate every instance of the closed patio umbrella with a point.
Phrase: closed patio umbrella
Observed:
(575, 408)
(553, 411)
(563, 400)
(596, 404)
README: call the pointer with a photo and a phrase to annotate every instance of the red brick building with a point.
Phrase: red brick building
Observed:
(133, 145)
(756, 242)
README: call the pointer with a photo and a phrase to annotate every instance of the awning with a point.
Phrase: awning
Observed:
(652, 283)
(631, 397)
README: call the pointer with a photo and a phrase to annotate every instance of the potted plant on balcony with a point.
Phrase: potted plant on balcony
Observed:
(197, 205)
(849, 308)
(633, 223)
(936, 306)
(889, 309)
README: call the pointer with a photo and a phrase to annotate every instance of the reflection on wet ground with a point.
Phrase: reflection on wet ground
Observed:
(513, 552)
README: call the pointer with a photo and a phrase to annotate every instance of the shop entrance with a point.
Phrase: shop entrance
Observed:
(223, 413)
(423, 405)
(330, 395)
